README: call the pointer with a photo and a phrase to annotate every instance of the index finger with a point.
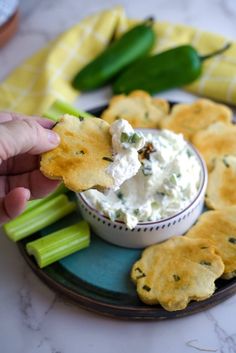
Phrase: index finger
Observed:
(9, 116)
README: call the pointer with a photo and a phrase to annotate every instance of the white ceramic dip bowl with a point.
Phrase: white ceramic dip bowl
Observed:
(148, 232)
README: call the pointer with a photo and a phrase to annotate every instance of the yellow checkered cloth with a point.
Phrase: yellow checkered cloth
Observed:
(46, 76)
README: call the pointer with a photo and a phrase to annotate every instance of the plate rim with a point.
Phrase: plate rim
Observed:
(134, 312)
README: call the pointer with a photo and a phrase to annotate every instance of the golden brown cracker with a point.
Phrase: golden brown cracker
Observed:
(219, 227)
(191, 118)
(177, 271)
(221, 188)
(138, 108)
(217, 140)
(83, 155)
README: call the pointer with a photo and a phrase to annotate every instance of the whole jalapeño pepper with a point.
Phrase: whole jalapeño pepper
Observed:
(132, 45)
(169, 69)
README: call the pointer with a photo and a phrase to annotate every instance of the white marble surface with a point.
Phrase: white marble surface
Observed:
(32, 318)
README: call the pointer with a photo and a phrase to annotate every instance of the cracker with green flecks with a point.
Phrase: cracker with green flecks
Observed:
(216, 141)
(138, 108)
(83, 155)
(190, 118)
(177, 271)
(221, 190)
(219, 227)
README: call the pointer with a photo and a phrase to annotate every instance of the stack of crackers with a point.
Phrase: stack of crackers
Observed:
(185, 268)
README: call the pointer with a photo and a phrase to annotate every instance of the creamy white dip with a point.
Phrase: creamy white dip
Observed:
(125, 145)
(167, 180)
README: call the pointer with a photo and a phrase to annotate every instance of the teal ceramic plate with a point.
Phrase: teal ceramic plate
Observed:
(98, 278)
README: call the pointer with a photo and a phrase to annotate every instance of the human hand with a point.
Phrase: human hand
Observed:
(22, 139)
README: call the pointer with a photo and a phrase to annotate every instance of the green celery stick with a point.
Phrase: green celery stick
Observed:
(39, 217)
(60, 190)
(59, 244)
(59, 108)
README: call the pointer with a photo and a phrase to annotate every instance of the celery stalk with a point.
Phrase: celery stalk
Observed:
(59, 244)
(33, 203)
(39, 217)
(59, 108)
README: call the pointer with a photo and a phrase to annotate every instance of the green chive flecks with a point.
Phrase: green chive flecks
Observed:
(135, 138)
(120, 195)
(189, 153)
(138, 270)
(160, 194)
(176, 278)
(141, 276)
(79, 153)
(146, 288)
(108, 159)
(141, 273)
(226, 163)
(206, 263)
(124, 137)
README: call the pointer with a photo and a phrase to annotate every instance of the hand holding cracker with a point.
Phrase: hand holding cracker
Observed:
(82, 156)
(23, 138)
(85, 159)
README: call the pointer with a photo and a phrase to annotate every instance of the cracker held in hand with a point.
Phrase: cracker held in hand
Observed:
(221, 188)
(216, 141)
(190, 118)
(138, 108)
(219, 227)
(83, 155)
(177, 271)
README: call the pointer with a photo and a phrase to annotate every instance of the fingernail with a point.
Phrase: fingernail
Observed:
(53, 137)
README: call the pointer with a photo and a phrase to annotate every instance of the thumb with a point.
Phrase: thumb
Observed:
(25, 136)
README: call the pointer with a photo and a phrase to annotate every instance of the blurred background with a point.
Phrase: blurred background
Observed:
(43, 20)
